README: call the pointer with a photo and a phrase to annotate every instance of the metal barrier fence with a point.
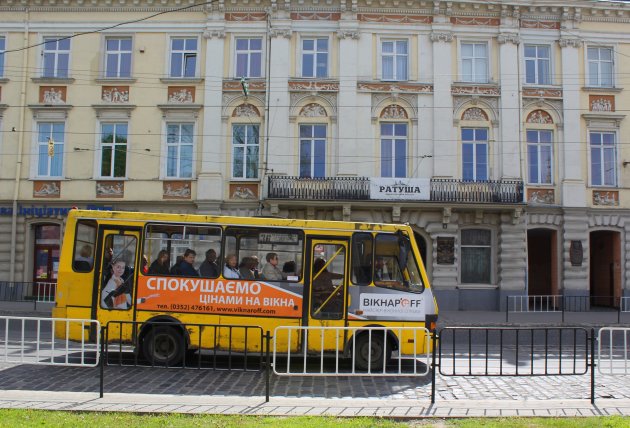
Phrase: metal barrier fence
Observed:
(613, 351)
(564, 304)
(46, 341)
(36, 292)
(351, 351)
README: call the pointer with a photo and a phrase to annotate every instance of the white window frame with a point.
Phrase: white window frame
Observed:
(475, 143)
(538, 146)
(536, 61)
(615, 150)
(179, 146)
(301, 54)
(492, 257)
(100, 150)
(57, 53)
(249, 52)
(394, 39)
(59, 149)
(3, 58)
(312, 140)
(613, 61)
(119, 53)
(232, 154)
(184, 52)
(393, 139)
(461, 61)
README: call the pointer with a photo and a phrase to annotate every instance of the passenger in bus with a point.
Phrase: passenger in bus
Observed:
(255, 263)
(323, 288)
(380, 271)
(246, 268)
(160, 265)
(271, 271)
(186, 266)
(230, 270)
(289, 268)
(209, 267)
(117, 291)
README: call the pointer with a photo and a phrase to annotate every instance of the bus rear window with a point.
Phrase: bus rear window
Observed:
(84, 240)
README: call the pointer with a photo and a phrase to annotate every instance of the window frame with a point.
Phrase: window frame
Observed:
(244, 155)
(393, 140)
(461, 61)
(475, 143)
(539, 146)
(119, 54)
(249, 52)
(491, 256)
(315, 54)
(3, 48)
(536, 60)
(313, 141)
(43, 146)
(56, 53)
(395, 76)
(113, 144)
(613, 62)
(183, 52)
(614, 149)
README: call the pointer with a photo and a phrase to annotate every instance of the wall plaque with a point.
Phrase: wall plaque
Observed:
(445, 250)
(576, 253)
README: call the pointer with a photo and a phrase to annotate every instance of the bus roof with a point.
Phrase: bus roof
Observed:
(134, 216)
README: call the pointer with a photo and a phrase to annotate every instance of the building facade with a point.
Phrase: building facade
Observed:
(497, 129)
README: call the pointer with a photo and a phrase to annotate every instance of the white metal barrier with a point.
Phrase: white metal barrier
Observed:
(45, 291)
(26, 340)
(351, 351)
(613, 351)
(535, 303)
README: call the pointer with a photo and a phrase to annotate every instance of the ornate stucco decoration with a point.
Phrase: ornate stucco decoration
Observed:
(408, 102)
(176, 190)
(246, 110)
(476, 114)
(315, 16)
(46, 189)
(348, 34)
(443, 36)
(484, 21)
(245, 16)
(313, 86)
(181, 96)
(542, 93)
(569, 43)
(214, 34)
(313, 110)
(110, 189)
(300, 99)
(53, 95)
(235, 85)
(115, 94)
(508, 38)
(394, 18)
(465, 89)
(394, 111)
(601, 104)
(539, 117)
(541, 196)
(540, 25)
(605, 198)
(281, 32)
(414, 88)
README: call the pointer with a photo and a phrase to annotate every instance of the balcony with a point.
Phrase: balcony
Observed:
(358, 189)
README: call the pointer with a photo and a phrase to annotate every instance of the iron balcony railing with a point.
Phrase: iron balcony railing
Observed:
(358, 188)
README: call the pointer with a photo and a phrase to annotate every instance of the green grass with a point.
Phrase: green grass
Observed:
(42, 418)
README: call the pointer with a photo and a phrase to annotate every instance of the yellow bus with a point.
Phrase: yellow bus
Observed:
(148, 268)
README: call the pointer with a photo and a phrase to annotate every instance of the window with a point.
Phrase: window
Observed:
(118, 57)
(476, 256)
(603, 159)
(600, 67)
(113, 149)
(394, 57)
(56, 56)
(245, 151)
(315, 58)
(249, 57)
(393, 149)
(474, 62)
(84, 244)
(50, 137)
(179, 146)
(539, 157)
(312, 150)
(183, 57)
(537, 65)
(474, 154)
(2, 49)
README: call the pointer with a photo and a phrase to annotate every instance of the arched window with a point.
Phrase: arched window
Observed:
(475, 147)
(245, 142)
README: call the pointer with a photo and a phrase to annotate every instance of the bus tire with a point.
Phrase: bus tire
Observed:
(372, 352)
(163, 346)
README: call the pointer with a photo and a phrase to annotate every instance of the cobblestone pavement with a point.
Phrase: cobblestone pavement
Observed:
(246, 384)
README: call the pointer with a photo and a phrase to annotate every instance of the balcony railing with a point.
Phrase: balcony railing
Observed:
(358, 188)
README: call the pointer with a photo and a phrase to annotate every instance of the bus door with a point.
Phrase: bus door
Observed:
(328, 282)
(116, 280)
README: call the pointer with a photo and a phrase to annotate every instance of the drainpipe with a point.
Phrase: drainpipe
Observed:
(21, 133)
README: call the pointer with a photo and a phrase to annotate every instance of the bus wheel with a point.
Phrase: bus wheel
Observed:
(371, 352)
(163, 346)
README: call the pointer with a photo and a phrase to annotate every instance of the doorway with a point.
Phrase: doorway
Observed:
(45, 261)
(605, 268)
(542, 262)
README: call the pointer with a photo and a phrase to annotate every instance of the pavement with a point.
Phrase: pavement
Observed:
(160, 390)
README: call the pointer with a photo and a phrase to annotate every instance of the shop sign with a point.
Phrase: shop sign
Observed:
(48, 211)
(412, 189)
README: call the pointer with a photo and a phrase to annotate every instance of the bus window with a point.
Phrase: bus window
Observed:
(390, 271)
(262, 253)
(118, 265)
(362, 253)
(85, 238)
(166, 244)
(327, 281)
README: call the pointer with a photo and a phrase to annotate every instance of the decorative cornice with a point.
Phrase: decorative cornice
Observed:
(398, 18)
(569, 43)
(542, 92)
(472, 89)
(444, 36)
(397, 87)
(313, 86)
(235, 85)
(508, 38)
